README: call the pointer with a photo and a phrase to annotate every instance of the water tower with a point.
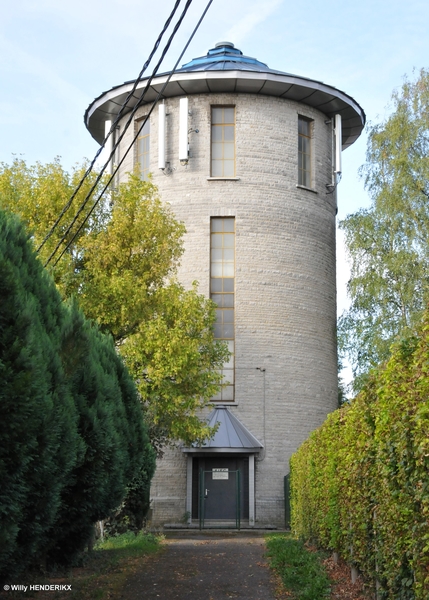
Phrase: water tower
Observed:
(249, 159)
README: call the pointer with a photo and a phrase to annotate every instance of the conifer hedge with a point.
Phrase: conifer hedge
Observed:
(72, 435)
(360, 483)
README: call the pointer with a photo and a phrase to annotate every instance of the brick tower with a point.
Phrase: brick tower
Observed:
(248, 158)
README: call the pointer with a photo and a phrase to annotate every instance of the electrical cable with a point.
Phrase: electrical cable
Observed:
(117, 143)
(113, 126)
(333, 187)
(133, 141)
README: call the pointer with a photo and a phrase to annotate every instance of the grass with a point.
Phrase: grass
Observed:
(103, 573)
(299, 569)
(130, 544)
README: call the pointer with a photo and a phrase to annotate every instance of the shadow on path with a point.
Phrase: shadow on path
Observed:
(204, 569)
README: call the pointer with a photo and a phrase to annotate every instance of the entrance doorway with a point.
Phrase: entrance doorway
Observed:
(220, 502)
(220, 489)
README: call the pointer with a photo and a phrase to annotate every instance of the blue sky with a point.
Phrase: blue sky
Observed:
(56, 56)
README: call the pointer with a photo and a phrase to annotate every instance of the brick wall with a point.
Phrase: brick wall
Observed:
(285, 278)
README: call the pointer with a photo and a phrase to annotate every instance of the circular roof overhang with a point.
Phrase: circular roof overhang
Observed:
(318, 95)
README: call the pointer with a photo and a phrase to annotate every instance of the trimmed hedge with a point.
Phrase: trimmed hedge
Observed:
(360, 483)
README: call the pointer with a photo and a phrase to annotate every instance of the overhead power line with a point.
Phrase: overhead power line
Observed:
(136, 135)
(113, 126)
(117, 143)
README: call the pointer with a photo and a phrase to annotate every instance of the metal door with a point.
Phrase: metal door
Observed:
(219, 495)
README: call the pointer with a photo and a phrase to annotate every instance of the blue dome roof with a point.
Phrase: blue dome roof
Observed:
(225, 69)
(224, 56)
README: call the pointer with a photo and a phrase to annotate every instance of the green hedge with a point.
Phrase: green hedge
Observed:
(360, 483)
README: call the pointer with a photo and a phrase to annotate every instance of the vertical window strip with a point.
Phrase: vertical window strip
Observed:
(223, 141)
(304, 151)
(143, 148)
(222, 272)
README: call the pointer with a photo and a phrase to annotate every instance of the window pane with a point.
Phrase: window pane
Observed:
(217, 255)
(228, 168)
(303, 126)
(217, 134)
(228, 330)
(228, 285)
(228, 133)
(217, 114)
(306, 145)
(304, 152)
(216, 224)
(217, 168)
(228, 269)
(228, 115)
(228, 376)
(228, 224)
(222, 292)
(218, 299)
(217, 150)
(146, 128)
(228, 393)
(216, 240)
(228, 300)
(222, 142)
(228, 151)
(216, 285)
(228, 316)
(230, 363)
(228, 254)
(216, 269)
(228, 240)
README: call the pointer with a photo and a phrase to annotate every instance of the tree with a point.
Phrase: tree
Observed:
(388, 242)
(71, 424)
(111, 425)
(121, 267)
(38, 193)
(40, 443)
(172, 356)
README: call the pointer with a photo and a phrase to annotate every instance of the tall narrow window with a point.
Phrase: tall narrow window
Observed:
(223, 141)
(304, 151)
(143, 147)
(222, 267)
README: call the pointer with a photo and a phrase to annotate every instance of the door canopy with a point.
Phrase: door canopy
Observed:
(231, 435)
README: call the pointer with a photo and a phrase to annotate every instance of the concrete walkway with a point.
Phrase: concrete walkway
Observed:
(205, 567)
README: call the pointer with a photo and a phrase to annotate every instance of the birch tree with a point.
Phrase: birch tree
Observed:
(388, 242)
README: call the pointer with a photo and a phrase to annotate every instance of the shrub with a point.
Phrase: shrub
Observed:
(360, 482)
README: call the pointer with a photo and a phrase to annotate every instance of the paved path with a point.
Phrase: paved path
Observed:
(204, 568)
